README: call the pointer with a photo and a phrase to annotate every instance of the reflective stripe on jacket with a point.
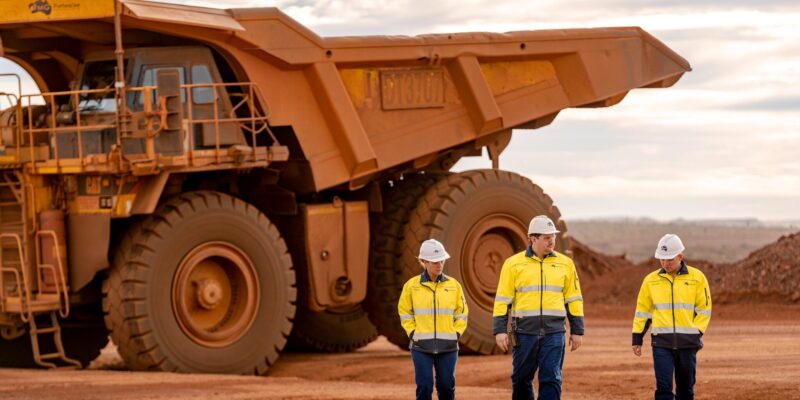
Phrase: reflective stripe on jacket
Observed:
(433, 314)
(677, 310)
(541, 293)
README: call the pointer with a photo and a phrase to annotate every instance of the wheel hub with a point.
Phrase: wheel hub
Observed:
(489, 242)
(215, 294)
(488, 259)
(209, 293)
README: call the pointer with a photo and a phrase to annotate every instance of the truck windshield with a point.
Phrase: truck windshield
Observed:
(98, 75)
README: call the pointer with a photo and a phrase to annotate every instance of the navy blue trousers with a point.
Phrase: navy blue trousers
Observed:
(545, 353)
(445, 366)
(682, 364)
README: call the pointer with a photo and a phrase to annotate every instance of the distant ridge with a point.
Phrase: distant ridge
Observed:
(734, 222)
(715, 240)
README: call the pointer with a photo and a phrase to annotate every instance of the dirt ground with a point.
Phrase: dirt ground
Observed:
(752, 352)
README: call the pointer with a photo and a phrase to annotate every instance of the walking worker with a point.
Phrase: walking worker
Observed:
(675, 303)
(540, 288)
(434, 314)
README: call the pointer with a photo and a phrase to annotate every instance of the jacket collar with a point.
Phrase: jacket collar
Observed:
(424, 277)
(530, 254)
(682, 271)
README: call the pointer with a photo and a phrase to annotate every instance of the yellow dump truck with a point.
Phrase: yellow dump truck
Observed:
(203, 185)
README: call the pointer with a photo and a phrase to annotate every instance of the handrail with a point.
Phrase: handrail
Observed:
(24, 315)
(2, 282)
(248, 96)
(61, 291)
(19, 83)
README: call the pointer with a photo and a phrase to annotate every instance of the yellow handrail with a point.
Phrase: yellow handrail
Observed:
(25, 315)
(61, 291)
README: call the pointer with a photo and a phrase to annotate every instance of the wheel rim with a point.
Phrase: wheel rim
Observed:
(489, 242)
(215, 294)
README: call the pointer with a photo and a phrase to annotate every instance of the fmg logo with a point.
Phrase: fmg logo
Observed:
(41, 6)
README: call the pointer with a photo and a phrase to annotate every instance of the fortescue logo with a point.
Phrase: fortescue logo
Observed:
(664, 248)
(40, 6)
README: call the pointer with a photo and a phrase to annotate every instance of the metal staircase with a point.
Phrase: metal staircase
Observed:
(19, 294)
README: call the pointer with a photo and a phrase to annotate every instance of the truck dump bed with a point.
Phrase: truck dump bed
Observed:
(359, 106)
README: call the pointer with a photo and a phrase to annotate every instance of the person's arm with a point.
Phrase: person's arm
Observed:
(573, 302)
(503, 300)
(702, 304)
(461, 312)
(642, 318)
(405, 308)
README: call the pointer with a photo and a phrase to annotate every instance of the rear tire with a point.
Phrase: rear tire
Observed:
(386, 277)
(203, 285)
(337, 331)
(482, 218)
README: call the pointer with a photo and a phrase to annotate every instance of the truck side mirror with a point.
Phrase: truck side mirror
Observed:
(168, 84)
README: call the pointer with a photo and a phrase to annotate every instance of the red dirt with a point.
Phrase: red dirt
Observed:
(748, 355)
(771, 273)
(751, 352)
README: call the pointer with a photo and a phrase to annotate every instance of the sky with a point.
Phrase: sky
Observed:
(724, 142)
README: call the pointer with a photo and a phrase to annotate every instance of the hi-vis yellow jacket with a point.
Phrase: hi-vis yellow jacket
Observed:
(434, 314)
(540, 292)
(679, 309)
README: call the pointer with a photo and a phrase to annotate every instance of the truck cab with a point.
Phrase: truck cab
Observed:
(201, 103)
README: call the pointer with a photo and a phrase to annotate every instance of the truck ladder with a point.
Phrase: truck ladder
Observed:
(19, 295)
(55, 330)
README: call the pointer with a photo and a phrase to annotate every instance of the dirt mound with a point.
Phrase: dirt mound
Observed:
(605, 278)
(592, 264)
(771, 273)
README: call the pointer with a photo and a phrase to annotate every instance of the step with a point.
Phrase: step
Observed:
(39, 331)
(39, 303)
(49, 356)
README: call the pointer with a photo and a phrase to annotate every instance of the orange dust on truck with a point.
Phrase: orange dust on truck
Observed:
(205, 185)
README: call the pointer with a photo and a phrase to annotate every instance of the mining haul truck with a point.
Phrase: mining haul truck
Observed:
(203, 185)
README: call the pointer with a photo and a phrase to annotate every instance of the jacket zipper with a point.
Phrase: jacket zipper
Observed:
(541, 297)
(706, 292)
(435, 312)
(672, 301)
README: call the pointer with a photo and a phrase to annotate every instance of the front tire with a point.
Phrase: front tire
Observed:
(205, 284)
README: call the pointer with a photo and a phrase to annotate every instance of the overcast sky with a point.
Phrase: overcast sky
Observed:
(724, 142)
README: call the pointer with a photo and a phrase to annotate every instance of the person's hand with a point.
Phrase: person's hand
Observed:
(637, 350)
(502, 341)
(575, 342)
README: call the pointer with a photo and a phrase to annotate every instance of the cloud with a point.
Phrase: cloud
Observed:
(791, 104)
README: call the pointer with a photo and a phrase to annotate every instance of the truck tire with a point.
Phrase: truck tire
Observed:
(337, 331)
(205, 284)
(481, 217)
(386, 273)
(82, 334)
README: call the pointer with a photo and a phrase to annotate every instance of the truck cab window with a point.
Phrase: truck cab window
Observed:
(202, 75)
(149, 79)
(98, 75)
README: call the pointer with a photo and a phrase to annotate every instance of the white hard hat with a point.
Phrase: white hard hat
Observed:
(669, 247)
(432, 250)
(541, 224)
